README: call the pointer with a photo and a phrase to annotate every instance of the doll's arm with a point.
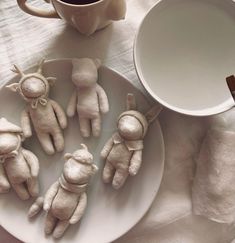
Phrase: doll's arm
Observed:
(107, 148)
(4, 183)
(62, 119)
(36, 207)
(71, 108)
(32, 162)
(79, 211)
(50, 195)
(103, 99)
(135, 163)
(25, 123)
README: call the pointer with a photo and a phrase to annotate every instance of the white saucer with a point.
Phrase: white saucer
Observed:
(184, 51)
(110, 213)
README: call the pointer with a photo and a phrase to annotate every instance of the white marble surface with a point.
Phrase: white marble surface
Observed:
(25, 39)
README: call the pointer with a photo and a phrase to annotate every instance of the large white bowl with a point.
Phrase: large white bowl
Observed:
(183, 52)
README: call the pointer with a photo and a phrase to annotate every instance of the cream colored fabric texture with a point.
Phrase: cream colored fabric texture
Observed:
(19, 167)
(89, 99)
(71, 190)
(47, 116)
(122, 153)
(213, 187)
(26, 39)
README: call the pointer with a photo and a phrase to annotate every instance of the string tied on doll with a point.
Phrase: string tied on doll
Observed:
(42, 101)
(74, 188)
(132, 145)
(39, 100)
(34, 101)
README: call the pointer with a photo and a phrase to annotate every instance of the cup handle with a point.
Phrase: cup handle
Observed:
(36, 11)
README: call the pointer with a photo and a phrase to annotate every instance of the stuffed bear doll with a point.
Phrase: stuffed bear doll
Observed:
(88, 98)
(19, 167)
(47, 116)
(66, 200)
(123, 151)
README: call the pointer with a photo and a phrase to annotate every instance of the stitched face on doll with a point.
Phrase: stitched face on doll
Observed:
(130, 128)
(79, 167)
(9, 142)
(85, 72)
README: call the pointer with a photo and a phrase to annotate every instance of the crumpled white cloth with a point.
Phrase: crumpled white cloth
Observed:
(213, 191)
(25, 39)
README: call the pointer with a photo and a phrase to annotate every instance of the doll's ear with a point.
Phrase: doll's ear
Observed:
(130, 102)
(94, 168)
(68, 156)
(51, 80)
(152, 114)
(13, 87)
(84, 146)
(97, 63)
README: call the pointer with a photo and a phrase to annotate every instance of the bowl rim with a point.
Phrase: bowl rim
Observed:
(223, 107)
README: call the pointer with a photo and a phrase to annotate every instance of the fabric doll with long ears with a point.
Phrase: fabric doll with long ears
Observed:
(89, 98)
(123, 151)
(66, 200)
(47, 116)
(19, 167)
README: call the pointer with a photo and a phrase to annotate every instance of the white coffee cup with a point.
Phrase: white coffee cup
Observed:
(86, 18)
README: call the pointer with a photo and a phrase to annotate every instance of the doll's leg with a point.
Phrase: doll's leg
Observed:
(58, 139)
(108, 172)
(50, 223)
(119, 178)
(33, 187)
(46, 143)
(4, 184)
(96, 126)
(60, 228)
(85, 127)
(21, 191)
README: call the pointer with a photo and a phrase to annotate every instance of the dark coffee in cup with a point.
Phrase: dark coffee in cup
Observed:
(79, 2)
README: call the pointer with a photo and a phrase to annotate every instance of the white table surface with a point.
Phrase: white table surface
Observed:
(25, 39)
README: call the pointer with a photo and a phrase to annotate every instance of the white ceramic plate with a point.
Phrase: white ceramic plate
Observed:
(183, 53)
(110, 213)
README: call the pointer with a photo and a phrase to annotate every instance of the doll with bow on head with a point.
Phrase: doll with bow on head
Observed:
(123, 151)
(66, 200)
(19, 167)
(47, 116)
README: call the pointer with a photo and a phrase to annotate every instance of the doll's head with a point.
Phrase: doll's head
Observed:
(132, 124)
(10, 139)
(32, 86)
(79, 166)
(85, 72)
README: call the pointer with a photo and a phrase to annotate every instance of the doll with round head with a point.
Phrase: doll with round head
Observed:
(19, 167)
(66, 200)
(89, 98)
(47, 116)
(123, 151)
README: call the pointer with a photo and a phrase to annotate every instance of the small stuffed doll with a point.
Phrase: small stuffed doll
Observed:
(123, 151)
(88, 98)
(47, 116)
(66, 200)
(19, 167)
